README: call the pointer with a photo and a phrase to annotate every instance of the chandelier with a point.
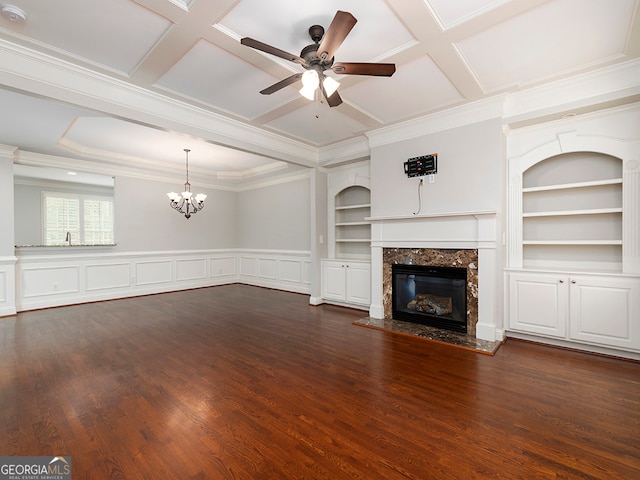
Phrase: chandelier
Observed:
(185, 202)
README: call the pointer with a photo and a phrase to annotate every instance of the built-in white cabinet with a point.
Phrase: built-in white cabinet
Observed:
(346, 282)
(573, 235)
(346, 273)
(594, 309)
(538, 304)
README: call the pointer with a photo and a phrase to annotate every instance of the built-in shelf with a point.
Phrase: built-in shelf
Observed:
(571, 212)
(594, 211)
(572, 242)
(567, 186)
(351, 229)
(353, 207)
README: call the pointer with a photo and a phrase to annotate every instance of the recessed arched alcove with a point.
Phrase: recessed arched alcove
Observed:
(572, 212)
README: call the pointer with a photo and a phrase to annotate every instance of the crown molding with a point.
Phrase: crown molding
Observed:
(279, 180)
(31, 71)
(153, 174)
(481, 110)
(8, 151)
(607, 84)
(347, 151)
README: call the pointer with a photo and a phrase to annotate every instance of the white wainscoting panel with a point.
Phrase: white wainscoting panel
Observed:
(268, 268)
(279, 269)
(3, 287)
(7, 294)
(191, 269)
(7, 286)
(104, 276)
(153, 272)
(290, 271)
(50, 278)
(248, 266)
(222, 266)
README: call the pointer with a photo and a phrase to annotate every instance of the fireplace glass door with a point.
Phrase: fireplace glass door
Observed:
(434, 296)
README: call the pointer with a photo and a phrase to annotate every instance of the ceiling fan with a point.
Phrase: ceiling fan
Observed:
(318, 57)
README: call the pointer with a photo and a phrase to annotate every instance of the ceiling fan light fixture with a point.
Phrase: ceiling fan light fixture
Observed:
(310, 79)
(330, 85)
(310, 82)
(308, 92)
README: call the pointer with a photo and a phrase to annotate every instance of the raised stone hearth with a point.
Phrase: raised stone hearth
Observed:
(437, 257)
(426, 332)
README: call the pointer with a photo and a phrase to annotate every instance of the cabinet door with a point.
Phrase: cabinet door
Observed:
(605, 310)
(538, 303)
(333, 281)
(358, 283)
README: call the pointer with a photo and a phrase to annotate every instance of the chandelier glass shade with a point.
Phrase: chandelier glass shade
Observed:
(186, 203)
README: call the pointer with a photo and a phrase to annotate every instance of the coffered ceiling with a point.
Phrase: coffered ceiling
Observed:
(86, 79)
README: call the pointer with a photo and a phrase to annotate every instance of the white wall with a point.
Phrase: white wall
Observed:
(469, 178)
(145, 222)
(275, 216)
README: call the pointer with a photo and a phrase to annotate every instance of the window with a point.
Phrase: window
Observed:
(77, 219)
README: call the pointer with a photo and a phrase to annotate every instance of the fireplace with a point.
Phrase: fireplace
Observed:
(461, 260)
(467, 240)
(430, 295)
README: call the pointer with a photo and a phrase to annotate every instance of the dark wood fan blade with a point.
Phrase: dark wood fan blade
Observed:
(340, 27)
(376, 69)
(334, 100)
(281, 84)
(263, 47)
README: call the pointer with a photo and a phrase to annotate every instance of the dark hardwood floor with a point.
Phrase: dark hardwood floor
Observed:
(239, 382)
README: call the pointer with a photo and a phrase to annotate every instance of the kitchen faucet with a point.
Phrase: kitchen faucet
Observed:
(68, 238)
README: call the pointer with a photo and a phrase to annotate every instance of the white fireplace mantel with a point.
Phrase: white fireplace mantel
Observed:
(455, 230)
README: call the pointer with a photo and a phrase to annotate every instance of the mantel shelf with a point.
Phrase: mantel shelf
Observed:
(427, 216)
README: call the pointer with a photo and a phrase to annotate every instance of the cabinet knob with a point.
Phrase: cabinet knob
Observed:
(561, 281)
(573, 281)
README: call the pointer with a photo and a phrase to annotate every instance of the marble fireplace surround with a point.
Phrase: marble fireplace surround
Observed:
(435, 257)
(463, 239)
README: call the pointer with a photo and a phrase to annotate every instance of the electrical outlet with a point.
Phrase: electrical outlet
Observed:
(432, 178)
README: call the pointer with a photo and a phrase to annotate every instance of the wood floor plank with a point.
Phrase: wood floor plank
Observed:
(240, 382)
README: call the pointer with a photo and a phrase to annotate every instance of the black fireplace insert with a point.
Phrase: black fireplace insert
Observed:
(435, 296)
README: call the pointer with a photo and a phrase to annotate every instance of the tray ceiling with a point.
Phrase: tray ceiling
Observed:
(188, 53)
